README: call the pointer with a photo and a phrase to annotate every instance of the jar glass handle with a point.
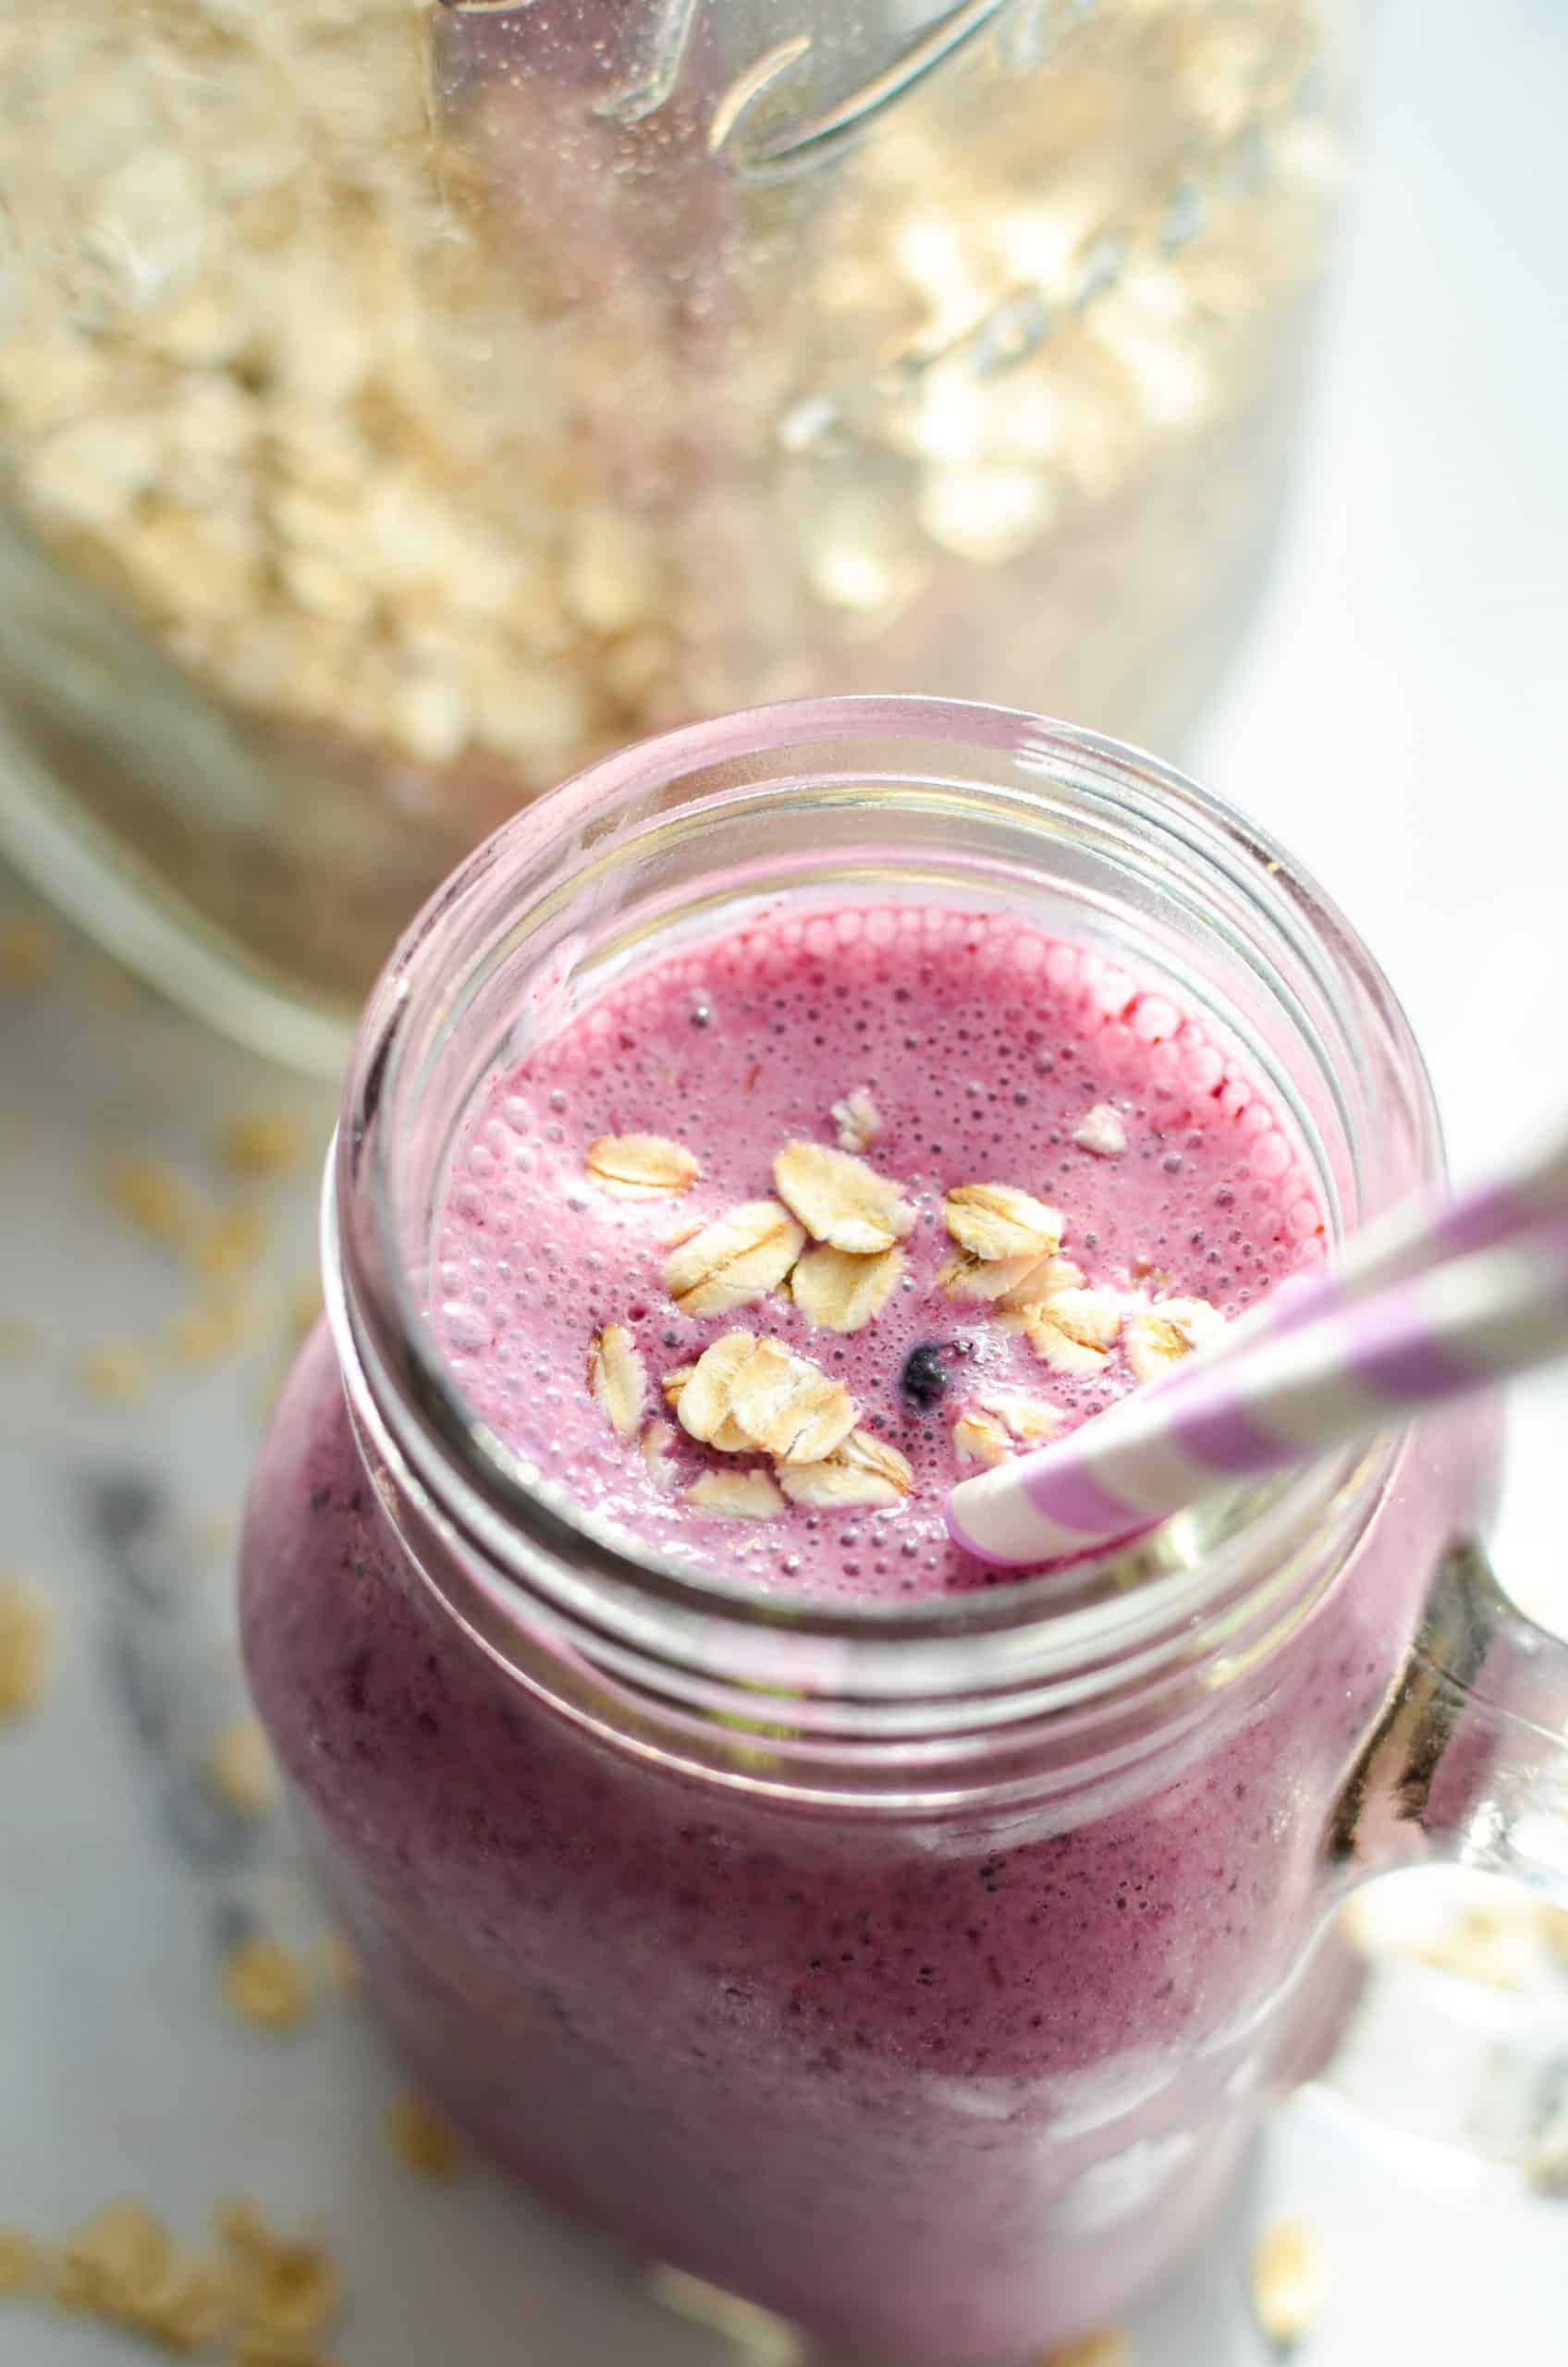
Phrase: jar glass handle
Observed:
(1468, 1766)
(1469, 1761)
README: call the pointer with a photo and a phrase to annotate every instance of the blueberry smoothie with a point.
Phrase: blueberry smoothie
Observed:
(895, 1192)
(751, 1259)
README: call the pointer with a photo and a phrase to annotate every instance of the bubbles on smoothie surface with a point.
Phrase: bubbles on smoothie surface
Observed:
(921, 1181)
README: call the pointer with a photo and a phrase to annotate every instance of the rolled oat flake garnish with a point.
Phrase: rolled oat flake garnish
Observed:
(788, 1407)
(734, 1261)
(858, 1120)
(736, 1495)
(993, 1221)
(1289, 2281)
(864, 1471)
(617, 1380)
(641, 1167)
(841, 1201)
(1103, 1131)
(1074, 1331)
(837, 1291)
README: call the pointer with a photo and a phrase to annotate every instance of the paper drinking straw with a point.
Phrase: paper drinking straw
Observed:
(1467, 1322)
(1409, 1240)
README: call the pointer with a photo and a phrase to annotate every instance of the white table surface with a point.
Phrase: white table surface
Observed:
(1397, 719)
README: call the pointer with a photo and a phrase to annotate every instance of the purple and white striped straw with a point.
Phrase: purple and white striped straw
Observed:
(1408, 1240)
(1358, 1359)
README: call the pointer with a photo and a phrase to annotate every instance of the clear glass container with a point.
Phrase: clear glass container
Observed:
(402, 405)
(917, 1968)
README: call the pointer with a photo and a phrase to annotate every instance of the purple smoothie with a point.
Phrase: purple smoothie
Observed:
(958, 1049)
(945, 2086)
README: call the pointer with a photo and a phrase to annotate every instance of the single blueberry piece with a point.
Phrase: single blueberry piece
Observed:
(925, 1375)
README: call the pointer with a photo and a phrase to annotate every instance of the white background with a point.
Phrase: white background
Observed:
(1397, 719)
(1401, 717)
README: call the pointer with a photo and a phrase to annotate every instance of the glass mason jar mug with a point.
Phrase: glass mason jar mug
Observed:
(917, 1969)
(402, 405)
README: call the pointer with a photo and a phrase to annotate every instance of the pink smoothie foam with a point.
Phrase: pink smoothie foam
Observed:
(983, 1047)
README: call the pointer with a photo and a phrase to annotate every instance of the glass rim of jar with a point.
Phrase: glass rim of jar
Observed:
(1211, 1594)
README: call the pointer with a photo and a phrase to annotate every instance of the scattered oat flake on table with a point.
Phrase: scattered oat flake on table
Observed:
(281, 2351)
(124, 2245)
(997, 1220)
(736, 1495)
(618, 1379)
(758, 2335)
(857, 1118)
(734, 1261)
(287, 2287)
(263, 1982)
(641, 1167)
(1107, 2349)
(1493, 1947)
(187, 2307)
(241, 1767)
(1494, 1944)
(835, 1292)
(1102, 1131)
(217, 1324)
(28, 947)
(1289, 2280)
(263, 1142)
(116, 1373)
(24, 2262)
(839, 1199)
(154, 1196)
(124, 2267)
(27, 1645)
(230, 1243)
(422, 2139)
(119, 2250)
